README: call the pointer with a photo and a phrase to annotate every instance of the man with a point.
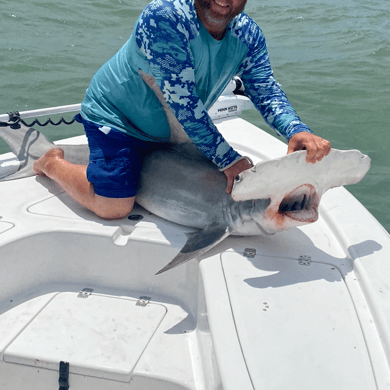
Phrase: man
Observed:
(177, 62)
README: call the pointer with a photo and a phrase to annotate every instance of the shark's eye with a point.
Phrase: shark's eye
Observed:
(238, 178)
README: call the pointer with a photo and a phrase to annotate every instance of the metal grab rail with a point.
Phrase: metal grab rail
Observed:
(44, 111)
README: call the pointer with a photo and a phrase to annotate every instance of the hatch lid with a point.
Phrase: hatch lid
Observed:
(297, 325)
(100, 336)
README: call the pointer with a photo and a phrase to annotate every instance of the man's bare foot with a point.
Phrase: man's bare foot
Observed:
(40, 164)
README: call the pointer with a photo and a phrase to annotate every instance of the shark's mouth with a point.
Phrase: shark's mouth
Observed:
(301, 204)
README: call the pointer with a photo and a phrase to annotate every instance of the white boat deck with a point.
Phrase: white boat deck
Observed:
(310, 309)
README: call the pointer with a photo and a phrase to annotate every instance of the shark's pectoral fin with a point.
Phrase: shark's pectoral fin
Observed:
(199, 243)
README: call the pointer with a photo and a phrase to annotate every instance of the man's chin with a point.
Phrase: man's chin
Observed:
(218, 21)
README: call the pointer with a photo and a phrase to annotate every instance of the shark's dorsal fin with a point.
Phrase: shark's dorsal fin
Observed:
(199, 243)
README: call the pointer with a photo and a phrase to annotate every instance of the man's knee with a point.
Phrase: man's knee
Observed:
(113, 208)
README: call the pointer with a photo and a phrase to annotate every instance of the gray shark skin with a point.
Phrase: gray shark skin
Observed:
(179, 184)
(190, 191)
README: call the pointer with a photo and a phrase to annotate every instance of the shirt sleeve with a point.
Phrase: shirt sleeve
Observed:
(264, 91)
(163, 38)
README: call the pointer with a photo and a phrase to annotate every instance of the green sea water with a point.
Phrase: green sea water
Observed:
(331, 57)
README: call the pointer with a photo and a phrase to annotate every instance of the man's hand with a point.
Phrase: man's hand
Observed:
(317, 148)
(232, 172)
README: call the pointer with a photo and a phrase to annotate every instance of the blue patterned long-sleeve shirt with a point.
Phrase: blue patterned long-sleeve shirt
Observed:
(172, 65)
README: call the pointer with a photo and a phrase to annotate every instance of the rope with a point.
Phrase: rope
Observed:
(14, 117)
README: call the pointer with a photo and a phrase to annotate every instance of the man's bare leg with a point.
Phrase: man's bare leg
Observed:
(73, 179)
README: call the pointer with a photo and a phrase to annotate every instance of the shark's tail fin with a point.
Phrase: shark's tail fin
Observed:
(28, 145)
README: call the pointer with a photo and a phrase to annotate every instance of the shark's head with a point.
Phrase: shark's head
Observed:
(295, 187)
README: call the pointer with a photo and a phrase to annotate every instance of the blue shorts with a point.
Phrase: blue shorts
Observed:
(115, 160)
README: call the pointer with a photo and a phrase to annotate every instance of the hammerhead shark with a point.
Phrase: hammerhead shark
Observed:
(181, 185)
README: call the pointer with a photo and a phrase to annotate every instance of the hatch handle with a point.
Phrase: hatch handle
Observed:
(63, 380)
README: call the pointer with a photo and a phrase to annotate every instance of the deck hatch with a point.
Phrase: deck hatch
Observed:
(297, 325)
(101, 336)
